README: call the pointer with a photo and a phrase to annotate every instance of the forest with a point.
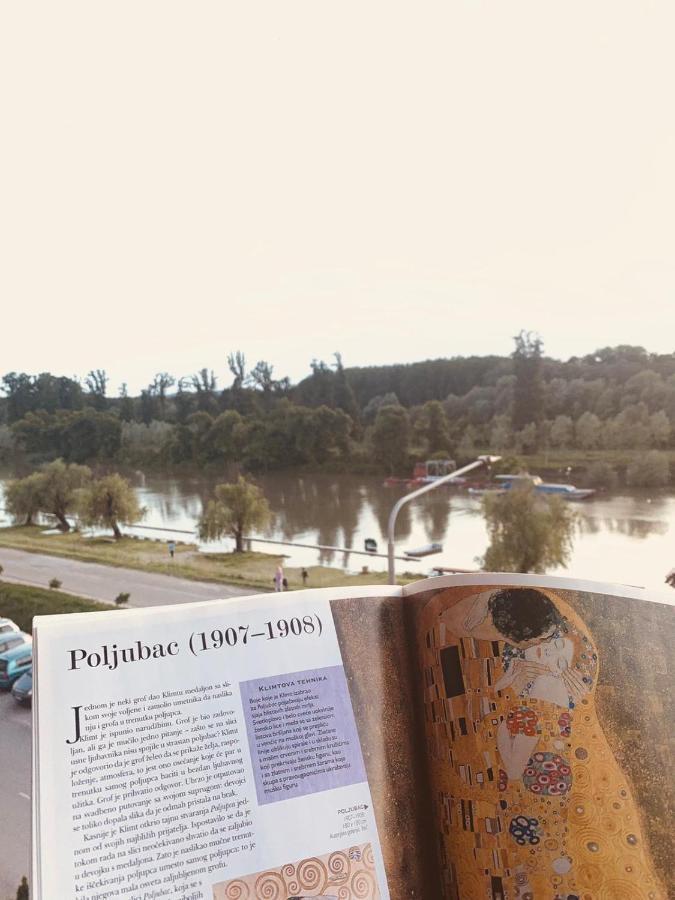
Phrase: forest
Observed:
(379, 418)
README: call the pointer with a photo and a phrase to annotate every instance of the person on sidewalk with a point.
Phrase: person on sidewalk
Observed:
(279, 579)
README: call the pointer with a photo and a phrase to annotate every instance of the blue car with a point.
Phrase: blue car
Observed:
(15, 661)
(22, 690)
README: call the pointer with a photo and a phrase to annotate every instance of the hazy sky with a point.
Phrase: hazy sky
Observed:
(396, 181)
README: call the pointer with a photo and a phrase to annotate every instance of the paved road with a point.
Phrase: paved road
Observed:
(15, 754)
(105, 582)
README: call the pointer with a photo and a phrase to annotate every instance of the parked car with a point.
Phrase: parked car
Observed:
(12, 639)
(22, 689)
(7, 625)
(14, 662)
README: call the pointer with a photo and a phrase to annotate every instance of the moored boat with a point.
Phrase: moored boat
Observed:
(503, 483)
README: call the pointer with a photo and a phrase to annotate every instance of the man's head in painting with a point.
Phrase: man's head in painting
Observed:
(523, 615)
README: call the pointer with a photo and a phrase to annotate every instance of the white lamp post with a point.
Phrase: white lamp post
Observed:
(481, 461)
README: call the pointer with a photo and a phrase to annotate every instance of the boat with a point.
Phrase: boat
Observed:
(503, 483)
(426, 473)
(426, 550)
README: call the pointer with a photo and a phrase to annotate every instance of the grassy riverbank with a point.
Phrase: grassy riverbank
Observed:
(21, 602)
(254, 570)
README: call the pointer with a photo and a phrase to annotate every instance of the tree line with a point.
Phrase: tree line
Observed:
(620, 398)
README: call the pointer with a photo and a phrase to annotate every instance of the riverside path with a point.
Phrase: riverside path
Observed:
(104, 583)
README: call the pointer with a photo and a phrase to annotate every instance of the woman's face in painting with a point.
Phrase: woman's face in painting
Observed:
(555, 654)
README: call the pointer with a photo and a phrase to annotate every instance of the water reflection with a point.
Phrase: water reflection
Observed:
(621, 538)
(635, 528)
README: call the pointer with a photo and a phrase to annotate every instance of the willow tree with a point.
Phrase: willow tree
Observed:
(59, 487)
(234, 510)
(108, 503)
(23, 498)
(528, 532)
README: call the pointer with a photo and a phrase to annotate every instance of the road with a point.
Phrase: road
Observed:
(105, 582)
(15, 754)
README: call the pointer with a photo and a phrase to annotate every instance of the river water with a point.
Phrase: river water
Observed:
(624, 538)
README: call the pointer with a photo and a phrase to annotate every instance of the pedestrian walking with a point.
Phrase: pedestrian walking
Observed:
(172, 548)
(305, 576)
(278, 579)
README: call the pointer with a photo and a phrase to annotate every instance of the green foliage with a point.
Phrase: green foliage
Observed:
(588, 431)
(601, 474)
(528, 532)
(74, 436)
(390, 438)
(122, 597)
(374, 405)
(29, 393)
(562, 432)
(55, 584)
(528, 398)
(24, 497)
(433, 427)
(507, 465)
(109, 501)
(21, 602)
(620, 398)
(58, 489)
(235, 509)
(651, 471)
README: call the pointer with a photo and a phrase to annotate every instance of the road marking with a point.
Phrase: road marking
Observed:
(24, 795)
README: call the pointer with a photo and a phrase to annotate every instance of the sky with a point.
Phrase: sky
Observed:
(396, 182)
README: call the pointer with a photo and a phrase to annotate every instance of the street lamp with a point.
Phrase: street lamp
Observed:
(481, 461)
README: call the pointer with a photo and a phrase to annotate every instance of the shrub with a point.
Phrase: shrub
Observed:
(651, 471)
(601, 475)
(55, 584)
(122, 597)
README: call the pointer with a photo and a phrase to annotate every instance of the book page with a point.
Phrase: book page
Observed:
(548, 723)
(203, 751)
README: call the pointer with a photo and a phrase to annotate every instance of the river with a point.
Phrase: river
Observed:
(622, 537)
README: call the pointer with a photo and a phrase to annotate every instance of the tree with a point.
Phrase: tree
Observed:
(23, 497)
(159, 386)
(375, 404)
(528, 394)
(650, 471)
(391, 437)
(204, 383)
(109, 501)
(528, 532)
(97, 383)
(600, 474)
(343, 395)
(659, 426)
(501, 437)
(236, 363)
(235, 509)
(562, 431)
(588, 431)
(434, 427)
(60, 483)
(126, 404)
(466, 449)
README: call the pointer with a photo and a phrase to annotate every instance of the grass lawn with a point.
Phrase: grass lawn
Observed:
(254, 570)
(21, 602)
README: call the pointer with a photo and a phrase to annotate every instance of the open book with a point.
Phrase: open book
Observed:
(481, 736)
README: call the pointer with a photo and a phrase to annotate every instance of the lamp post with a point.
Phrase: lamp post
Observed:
(481, 461)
